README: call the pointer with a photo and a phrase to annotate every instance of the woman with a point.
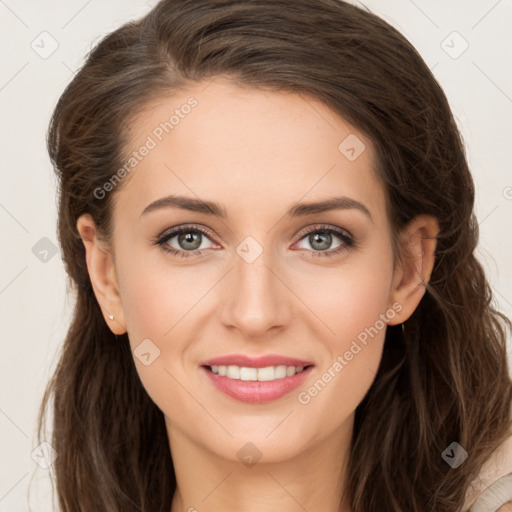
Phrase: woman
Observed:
(267, 216)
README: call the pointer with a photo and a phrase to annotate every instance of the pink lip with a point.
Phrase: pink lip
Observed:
(256, 391)
(255, 362)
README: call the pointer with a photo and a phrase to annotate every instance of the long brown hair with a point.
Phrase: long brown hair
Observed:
(445, 379)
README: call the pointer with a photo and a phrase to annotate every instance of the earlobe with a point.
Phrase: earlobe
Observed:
(101, 269)
(417, 246)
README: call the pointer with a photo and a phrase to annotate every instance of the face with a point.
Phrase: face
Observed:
(305, 287)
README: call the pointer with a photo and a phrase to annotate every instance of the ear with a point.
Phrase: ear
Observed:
(417, 245)
(100, 265)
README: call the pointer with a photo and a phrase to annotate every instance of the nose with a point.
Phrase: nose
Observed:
(257, 300)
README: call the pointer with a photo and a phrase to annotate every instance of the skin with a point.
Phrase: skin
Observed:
(257, 153)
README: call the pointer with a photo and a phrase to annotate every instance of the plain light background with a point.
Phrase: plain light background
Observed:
(34, 308)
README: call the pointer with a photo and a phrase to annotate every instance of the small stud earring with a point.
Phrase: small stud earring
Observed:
(111, 317)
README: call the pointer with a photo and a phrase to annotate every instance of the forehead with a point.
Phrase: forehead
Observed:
(249, 149)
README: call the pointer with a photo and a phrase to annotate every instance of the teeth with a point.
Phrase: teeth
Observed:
(248, 373)
(280, 372)
(233, 372)
(268, 373)
(259, 374)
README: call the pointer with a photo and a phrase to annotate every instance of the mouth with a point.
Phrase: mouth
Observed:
(256, 385)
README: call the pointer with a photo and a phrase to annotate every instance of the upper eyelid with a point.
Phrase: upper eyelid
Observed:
(172, 232)
(323, 227)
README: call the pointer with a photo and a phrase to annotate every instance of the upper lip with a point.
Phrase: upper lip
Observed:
(255, 362)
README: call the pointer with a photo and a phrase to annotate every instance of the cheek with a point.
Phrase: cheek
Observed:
(159, 313)
(364, 302)
(156, 296)
(350, 298)
(353, 303)
(162, 305)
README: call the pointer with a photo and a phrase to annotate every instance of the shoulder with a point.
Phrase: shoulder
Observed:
(492, 490)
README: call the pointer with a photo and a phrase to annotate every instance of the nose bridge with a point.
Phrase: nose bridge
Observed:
(257, 300)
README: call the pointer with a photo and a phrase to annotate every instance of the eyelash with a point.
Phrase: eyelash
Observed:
(347, 239)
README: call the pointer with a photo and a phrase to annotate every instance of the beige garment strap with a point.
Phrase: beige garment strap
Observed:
(495, 496)
(498, 466)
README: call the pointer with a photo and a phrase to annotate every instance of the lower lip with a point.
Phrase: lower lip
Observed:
(257, 392)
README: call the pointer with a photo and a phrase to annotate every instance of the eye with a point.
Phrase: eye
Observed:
(188, 238)
(320, 238)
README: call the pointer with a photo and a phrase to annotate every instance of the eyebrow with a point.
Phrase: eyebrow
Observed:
(217, 210)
